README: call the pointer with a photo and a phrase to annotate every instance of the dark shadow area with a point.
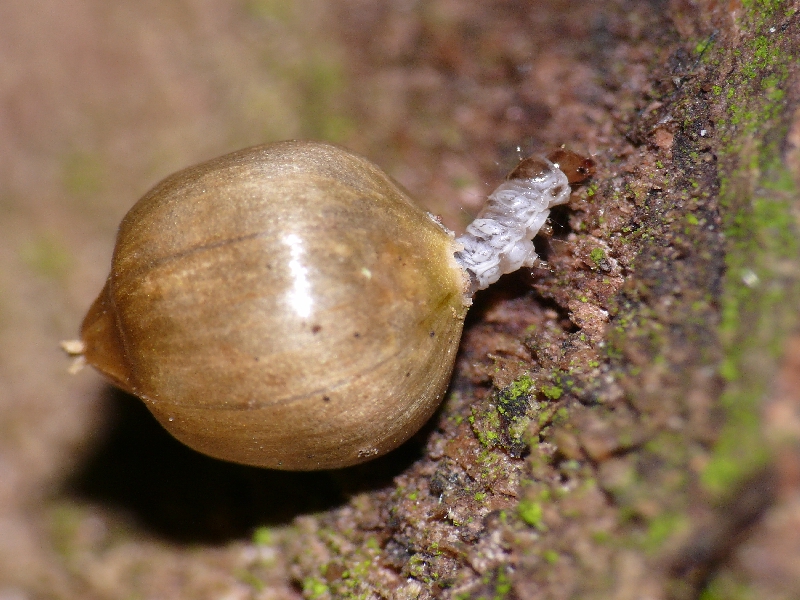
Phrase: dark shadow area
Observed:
(514, 285)
(186, 497)
(559, 221)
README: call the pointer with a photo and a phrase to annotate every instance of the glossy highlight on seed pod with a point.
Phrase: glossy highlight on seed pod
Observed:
(288, 306)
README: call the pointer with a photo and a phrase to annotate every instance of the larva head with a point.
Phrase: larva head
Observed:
(577, 168)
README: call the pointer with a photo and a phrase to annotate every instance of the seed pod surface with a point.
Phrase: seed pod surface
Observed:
(285, 306)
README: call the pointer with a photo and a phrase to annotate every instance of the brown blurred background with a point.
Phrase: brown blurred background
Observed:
(98, 101)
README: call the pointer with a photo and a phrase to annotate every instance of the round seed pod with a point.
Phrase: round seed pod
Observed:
(286, 306)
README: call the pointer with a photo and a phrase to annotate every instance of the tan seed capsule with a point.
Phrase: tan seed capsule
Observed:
(286, 306)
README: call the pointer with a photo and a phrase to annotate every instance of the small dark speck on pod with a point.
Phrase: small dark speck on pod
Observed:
(433, 334)
(356, 335)
(316, 329)
(326, 398)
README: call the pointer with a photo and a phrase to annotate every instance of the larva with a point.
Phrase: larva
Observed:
(500, 239)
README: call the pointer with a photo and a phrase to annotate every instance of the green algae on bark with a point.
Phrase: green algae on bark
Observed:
(759, 195)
